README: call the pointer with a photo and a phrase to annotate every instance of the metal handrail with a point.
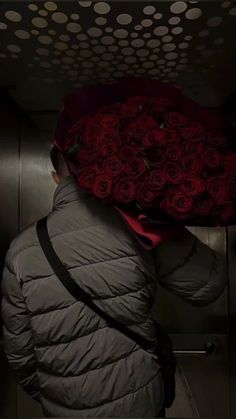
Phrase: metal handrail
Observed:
(208, 349)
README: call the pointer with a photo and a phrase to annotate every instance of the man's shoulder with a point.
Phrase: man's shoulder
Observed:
(24, 240)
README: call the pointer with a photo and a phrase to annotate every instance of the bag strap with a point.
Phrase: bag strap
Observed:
(76, 291)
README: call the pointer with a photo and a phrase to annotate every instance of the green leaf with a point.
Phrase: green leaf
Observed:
(74, 150)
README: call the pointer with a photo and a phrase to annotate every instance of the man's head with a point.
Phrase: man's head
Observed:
(60, 166)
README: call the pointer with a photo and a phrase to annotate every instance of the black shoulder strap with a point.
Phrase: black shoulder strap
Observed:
(74, 289)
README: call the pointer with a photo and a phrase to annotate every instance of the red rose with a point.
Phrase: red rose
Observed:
(98, 166)
(126, 152)
(193, 186)
(86, 178)
(227, 213)
(173, 152)
(154, 137)
(193, 147)
(170, 135)
(177, 204)
(90, 133)
(113, 166)
(137, 129)
(203, 205)
(102, 187)
(174, 173)
(192, 131)
(125, 190)
(130, 111)
(107, 135)
(85, 157)
(175, 119)
(91, 148)
(216, 140)
(156, 156)
(108, 122)
(230, 162)
(192, 164)
(156, 179)
(135, 167)
(218, 189)
(211, 158)
(146, 197)
(109, 148)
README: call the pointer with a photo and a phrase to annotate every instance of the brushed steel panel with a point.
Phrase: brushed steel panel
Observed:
(207, 377)
(9, 216)
(37, 186)
(9, 179)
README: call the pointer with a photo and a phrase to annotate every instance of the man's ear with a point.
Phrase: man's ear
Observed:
(55, 177)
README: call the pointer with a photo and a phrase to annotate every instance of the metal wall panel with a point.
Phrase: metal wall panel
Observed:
(9, 188)
(9, 178)
(37, 186)
(35, 200)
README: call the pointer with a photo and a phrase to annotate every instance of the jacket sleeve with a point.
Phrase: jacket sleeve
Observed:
(17, 335)
(190, 269)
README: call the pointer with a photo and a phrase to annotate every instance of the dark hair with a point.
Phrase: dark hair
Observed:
(57, 160)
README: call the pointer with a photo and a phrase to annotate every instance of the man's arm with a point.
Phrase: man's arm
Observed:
(190, 269)
(17, 335)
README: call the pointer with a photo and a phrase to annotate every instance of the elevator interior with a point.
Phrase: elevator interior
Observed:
(49, 48)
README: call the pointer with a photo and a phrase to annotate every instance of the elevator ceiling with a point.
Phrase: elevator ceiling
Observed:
(49, 48)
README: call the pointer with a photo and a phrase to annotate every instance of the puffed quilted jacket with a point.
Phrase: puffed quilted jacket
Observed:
(62, 353)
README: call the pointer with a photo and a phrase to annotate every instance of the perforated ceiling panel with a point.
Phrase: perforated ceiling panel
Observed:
(49, 48)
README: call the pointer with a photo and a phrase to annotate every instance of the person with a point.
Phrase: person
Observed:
(62, 353)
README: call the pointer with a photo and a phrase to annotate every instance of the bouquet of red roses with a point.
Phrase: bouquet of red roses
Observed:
(149, 156)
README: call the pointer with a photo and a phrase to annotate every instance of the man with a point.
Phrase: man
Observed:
(62, 353)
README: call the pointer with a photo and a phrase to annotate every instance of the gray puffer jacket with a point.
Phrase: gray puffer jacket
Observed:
(63, 354)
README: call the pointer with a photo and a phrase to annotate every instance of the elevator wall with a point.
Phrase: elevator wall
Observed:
(26, 192)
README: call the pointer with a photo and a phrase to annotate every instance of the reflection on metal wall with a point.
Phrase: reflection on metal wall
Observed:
(25, 169)
(36, 184)
(25, 195)
(9, 178)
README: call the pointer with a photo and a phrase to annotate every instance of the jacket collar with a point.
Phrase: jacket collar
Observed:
(66, 192)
